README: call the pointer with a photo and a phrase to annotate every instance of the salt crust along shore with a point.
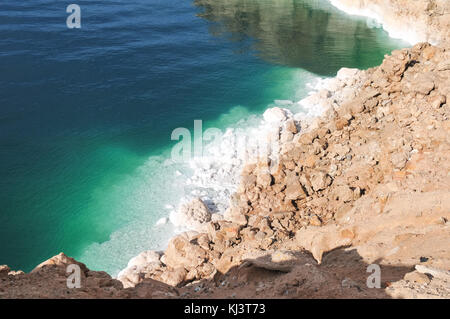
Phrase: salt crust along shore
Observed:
(413, 21)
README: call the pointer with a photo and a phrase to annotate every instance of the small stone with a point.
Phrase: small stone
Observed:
(306, 138)
(264, 179)
(341, 123)
(315, 221)
(347, 233)
(290, 126)
(343, 193)
(320, 181)
(417, 277)
(443, 66)
(429, 53)
(399, 160)
(423, 87)
(438, 101)
(294, 192)
(260, 235)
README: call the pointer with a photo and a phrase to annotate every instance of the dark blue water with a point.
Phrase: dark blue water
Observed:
(83, 110)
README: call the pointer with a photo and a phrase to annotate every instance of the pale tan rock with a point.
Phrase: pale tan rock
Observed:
(264, 179)
(319, 240)
(181, 253)
(417, 277)
(61, 260)
(290, 126)
(315, 221)
(343, 193)
(174, 277)
(235, 215)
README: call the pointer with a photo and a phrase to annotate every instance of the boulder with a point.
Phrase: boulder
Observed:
(236, 215)
(144, 265)
(319, 240)
(182, 253)
(144, 258)
(275, 114)
(345, 74)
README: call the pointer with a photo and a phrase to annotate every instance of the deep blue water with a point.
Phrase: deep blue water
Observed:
(83, 110)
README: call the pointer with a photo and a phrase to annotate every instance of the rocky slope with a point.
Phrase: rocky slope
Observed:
(367, 183)
(413, 20)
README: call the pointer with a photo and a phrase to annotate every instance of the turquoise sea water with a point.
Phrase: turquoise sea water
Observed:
(86, 114)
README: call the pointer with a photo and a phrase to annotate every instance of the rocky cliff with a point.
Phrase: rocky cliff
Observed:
(366, 185)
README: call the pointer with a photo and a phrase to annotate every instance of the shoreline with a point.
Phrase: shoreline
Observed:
(265, 211)
(319, 234)
(313, 109)
(315, 100)
(409, 23)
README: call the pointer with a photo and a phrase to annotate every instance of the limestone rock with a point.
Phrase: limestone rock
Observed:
(319, 240)
(182, 253)
(174, 277)
(235, 215)
(417, 277)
